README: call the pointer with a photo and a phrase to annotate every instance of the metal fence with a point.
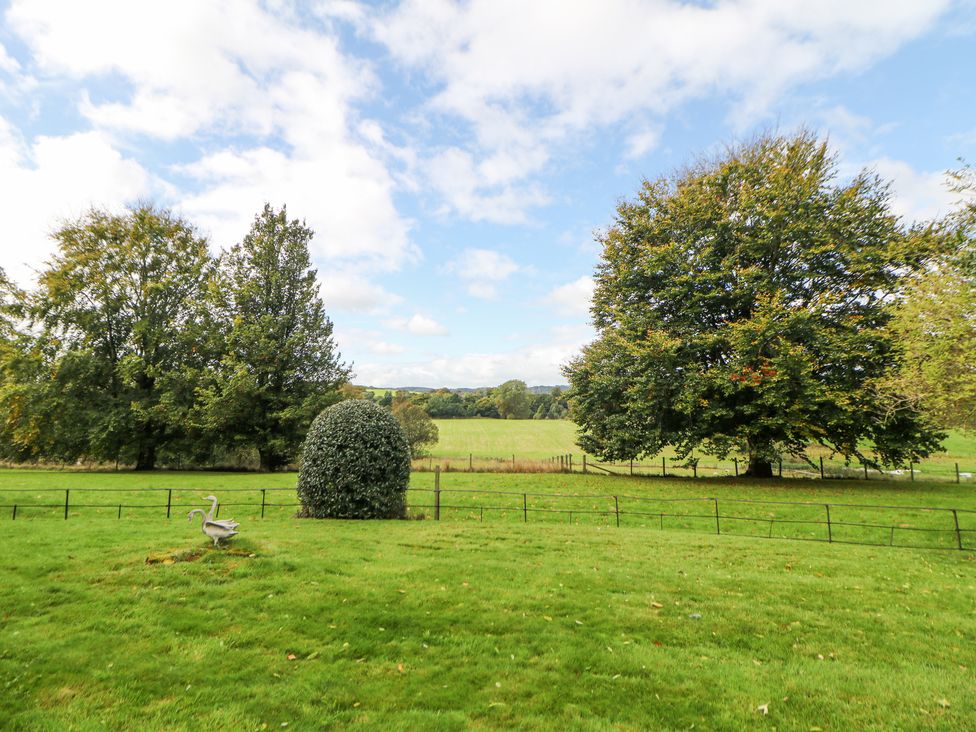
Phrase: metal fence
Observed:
(922, 527)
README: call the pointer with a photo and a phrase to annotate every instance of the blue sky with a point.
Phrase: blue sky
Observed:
(455, 158)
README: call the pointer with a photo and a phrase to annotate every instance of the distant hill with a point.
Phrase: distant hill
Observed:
(458, 390)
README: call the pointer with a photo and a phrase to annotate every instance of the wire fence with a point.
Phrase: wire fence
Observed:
(816, 466)
(921, 527)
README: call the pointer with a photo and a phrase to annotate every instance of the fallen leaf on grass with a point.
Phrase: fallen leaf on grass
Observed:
(292, 656)
(944, 703)
(764, 708)
(656, 605)
(400, 667)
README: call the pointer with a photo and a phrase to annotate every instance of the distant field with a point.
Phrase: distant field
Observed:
(540, 439)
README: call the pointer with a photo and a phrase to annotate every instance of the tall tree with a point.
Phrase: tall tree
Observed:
(742, 306)
(513, 400)
(118, 307)
(419, 428)
(281, 367)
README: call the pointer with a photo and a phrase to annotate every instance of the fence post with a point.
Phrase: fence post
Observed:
(525, 508)
(955, 517)
(570, 462)
(169, 501)
(911, 469)
(830, 530)
(66, 491)
(562, 467)
(437, 493)
(584, 468)
(262, 502)
(865, 471)
(616, 509)
(694, 468)
(120, 512)
(470, 463)
(780, 469)
(957, 472)
(736, 461)
(631, 468)
(821, 468)
(14, 517)
(718, 528)
(513, 462)
(664, 470)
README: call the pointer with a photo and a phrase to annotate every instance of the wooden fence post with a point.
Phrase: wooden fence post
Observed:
(694, 468)
(470, 463)
(664, 470)
(513, 462)
(263, 493)
(780, 470)
(865, 471)
(631, 468)
(911, 469)
(830, 531)
(736, 461)
(66, 491)
(718, 528)
(570, 462)
(437, 493)
(525, 508)
(955, 517)
(169, 501)
(957, 472)
(821, 468)
(584, 468)
(616, 509)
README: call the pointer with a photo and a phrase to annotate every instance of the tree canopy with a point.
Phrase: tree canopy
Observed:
(742, 305)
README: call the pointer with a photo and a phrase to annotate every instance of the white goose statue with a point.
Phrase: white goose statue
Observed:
(213, 528)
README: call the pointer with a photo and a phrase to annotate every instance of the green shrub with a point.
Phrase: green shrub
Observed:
(355, 464)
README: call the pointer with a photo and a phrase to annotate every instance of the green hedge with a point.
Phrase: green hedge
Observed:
(355, 464)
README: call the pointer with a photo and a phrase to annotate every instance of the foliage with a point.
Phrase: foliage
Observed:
(355, 464)
(513, 400)
(935, 323)
(112, 372)
(742, 305)
(418, 427)
(280, 366)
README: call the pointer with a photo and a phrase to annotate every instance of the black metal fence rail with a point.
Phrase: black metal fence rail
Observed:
(838, 523)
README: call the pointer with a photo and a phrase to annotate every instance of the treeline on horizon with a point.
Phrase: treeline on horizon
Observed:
(510, 400)
(138, 347)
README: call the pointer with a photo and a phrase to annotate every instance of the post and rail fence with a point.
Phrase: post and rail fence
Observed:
(910, 526)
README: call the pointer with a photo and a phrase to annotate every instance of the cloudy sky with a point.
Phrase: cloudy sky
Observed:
(454, 159)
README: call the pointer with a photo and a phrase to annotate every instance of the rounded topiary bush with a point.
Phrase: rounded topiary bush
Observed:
(355, 464)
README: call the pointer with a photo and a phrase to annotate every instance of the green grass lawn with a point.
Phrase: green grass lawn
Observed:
(425, 625)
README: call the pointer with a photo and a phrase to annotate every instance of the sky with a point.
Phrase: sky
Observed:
(456, 160)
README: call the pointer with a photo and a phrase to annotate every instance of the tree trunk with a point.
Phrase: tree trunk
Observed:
(147, 456)
(759, 468)
(270, 460)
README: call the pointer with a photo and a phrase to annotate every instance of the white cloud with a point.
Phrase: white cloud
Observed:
(419, 325)
(572, 298)
(483, 270)
(356, 340)
(524, 88)
(536, 364)
(55, 178)
(350, 291)
(917, 195)
(205, 70)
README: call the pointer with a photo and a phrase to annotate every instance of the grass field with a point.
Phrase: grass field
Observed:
(424, 625)
(485, 440)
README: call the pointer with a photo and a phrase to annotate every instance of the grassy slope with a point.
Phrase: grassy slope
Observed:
(418, 625)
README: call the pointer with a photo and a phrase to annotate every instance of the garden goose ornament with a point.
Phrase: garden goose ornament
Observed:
(214, 529)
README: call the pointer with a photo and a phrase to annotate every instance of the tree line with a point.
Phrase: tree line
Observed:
(138, 347)
(510, 400)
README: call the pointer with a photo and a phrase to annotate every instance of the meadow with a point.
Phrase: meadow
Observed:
(491, 444)
(523, 615)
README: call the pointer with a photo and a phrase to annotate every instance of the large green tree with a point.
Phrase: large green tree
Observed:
(116, 313)
(281, 366)
(742, 305)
